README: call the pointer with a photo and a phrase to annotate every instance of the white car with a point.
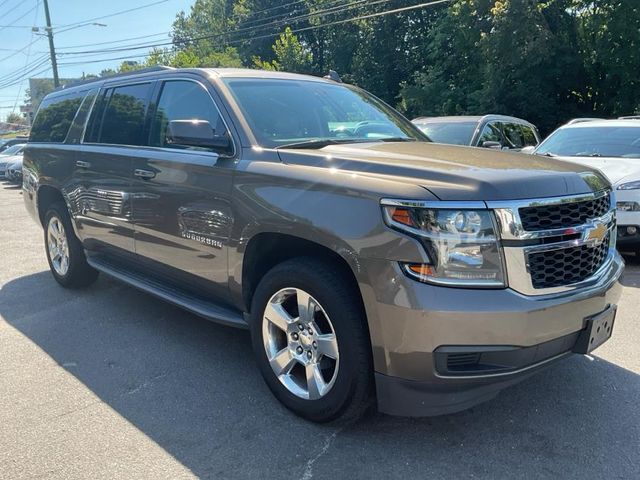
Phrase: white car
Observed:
(613, 147)
(13, 172)
(10, 156)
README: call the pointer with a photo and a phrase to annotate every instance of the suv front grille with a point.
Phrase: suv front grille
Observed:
(563, 215)
(555, 268)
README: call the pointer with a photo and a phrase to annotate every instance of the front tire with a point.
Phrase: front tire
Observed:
(311, 341)
(65, 254)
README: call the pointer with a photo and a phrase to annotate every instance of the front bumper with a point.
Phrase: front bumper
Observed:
(14, 175)
(411, 323)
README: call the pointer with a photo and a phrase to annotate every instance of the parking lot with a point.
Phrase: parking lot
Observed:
(110, 382)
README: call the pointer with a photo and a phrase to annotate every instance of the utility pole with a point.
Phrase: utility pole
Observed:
(52, 48)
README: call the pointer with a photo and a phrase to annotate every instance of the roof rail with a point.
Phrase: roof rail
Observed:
(158, 68)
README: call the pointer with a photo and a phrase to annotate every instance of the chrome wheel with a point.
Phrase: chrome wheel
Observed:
(58, 246)
(300, 343)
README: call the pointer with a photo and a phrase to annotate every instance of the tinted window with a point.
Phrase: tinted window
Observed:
(614, 141)
(54, 118)
(528, 136)
(456, 133)
(93, 125)
(124, 114)
(183, 100)
(75, 132)
(513, 135)
(490, 133)
(281, 112)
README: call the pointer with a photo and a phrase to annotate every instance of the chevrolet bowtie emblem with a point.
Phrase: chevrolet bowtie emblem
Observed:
(597, 234)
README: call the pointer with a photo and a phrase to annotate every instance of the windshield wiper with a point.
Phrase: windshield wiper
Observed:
(395, 139)
(323, 142)
(594, 154)
(547, 154)
(320, 143)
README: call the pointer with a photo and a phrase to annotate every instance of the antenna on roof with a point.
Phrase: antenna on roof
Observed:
(333, 75)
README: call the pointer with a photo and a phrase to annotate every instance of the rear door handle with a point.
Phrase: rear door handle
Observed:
(138, 172)
(81, 164)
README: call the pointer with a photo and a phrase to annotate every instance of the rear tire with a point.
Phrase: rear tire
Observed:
(311, 382)
(65, 254)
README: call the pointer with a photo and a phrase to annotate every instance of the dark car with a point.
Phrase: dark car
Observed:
(488, 131)
(13, 141)
(365, 260)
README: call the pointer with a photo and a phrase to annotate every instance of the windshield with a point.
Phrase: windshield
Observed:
(281, 112)
(455, 133)
(13, 150)
(614, 141)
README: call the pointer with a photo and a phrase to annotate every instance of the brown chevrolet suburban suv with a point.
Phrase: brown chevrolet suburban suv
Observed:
(366, 261)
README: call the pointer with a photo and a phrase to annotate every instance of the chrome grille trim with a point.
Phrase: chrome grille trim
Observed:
(510, 223)
(592, 232)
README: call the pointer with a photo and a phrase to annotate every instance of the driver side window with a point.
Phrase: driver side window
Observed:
(183, 100)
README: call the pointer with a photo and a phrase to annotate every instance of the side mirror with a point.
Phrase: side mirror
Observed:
(528, 150)
(491, 144)
(196, 133)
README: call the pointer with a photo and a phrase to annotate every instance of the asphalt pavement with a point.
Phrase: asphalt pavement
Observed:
(109, 382)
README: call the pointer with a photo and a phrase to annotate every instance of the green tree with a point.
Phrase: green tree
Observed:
(16, 119)
(609, 46)
(291, 55)
(201, 37)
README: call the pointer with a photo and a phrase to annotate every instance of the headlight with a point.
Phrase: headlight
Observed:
(630, 186)
(628, 206)
(462, 244)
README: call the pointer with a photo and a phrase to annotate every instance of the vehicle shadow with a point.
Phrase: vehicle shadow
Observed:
(10, 186)
(193, 388)
(631, 277)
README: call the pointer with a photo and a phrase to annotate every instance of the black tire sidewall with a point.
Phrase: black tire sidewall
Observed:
(347, 318)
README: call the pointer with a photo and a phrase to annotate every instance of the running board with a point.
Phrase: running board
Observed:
(181, 298)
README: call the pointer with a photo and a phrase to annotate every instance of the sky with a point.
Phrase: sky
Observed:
(152, 22)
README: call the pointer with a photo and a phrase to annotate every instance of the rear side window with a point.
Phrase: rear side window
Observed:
(513, 135)
(54, 118)
(75, 132)
(119, 116)
(528, 136)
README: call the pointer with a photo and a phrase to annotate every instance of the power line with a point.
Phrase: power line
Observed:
(3, 2)
(304, 29)
(35, 20)
(354, 19)
(12, 24)
(281, 18)
(114, 14)
(283, 21)
(8, 82)
(114, 41)
(22, 72)
(27, 46)
(282, 15)
(169, 32)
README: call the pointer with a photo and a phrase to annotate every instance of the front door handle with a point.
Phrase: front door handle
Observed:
(146, 174)
(81, 164)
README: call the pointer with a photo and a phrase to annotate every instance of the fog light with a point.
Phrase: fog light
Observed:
(632, 230)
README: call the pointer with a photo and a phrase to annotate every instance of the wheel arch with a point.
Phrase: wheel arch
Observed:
(47, 195)
(267, 249)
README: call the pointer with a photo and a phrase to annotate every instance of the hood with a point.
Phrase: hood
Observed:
(615, 169)
(456, 173)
